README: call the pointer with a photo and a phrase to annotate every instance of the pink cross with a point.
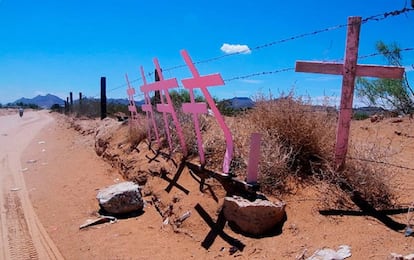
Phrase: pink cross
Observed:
(202, 82)
(147, 107)
(131, 107)
(349, 70)
(166, 107)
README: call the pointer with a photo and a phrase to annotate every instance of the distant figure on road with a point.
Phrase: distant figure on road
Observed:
(20, 112)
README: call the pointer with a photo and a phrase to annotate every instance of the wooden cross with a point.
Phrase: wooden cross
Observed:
(203, 82)
(131, 106)
(166, 107)
(147, 107)
(349, 70)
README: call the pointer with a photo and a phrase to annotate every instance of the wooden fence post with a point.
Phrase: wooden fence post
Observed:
(71, 101)
(80, 103)
(157, 95)
(103, 98)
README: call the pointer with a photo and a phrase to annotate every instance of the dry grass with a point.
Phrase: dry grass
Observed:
(296, 139)
(371, 180)
(137, 134)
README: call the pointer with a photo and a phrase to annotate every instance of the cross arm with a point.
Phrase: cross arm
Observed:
(319, 67)
(391, 72)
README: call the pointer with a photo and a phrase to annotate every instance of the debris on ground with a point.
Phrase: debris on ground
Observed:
(344, 251)
(100, 220)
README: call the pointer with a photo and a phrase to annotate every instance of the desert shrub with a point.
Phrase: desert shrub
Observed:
(367, 175)
(297, 145)
(88, 107)
(114, 108)
(360, 116)
(297, 139)
(137, 134)
(304, 136)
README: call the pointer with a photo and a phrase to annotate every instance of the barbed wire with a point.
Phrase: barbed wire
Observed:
(262, 73)
(379, 162)
(380, 17)
(377, 17)
(259, 74)
(386, 52)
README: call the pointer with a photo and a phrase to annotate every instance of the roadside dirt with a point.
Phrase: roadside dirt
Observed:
(67, 175)
(22, 235)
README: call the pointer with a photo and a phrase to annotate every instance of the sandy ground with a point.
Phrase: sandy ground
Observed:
(22, 235)
(63, 182)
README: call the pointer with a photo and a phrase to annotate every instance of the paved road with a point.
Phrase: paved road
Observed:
(22, 235)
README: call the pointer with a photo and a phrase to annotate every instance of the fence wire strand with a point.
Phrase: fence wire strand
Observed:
(377, 17)
(379, 162)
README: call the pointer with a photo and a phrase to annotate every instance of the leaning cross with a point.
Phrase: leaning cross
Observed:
(203, 82)
(147, 107)
(350, 70)
(166, 107)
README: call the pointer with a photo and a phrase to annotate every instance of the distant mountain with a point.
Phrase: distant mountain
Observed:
(123, 101)
(42, 101)
(238, 103)
(369, 111)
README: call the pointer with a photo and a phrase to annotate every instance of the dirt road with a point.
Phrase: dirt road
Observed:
(22, 236)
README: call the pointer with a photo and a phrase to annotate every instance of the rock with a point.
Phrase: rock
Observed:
(253, 217)
(121, 198)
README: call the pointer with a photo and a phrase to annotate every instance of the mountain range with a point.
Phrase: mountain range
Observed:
(49, 100)
(42, 101)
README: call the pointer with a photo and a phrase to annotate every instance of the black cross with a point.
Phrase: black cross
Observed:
(217, 230)
(173, 181)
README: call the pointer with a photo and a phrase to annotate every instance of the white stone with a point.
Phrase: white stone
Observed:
(121, 198)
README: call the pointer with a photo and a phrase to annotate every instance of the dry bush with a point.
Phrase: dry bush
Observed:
(137, 134)
(367, 174)
(298, 143)
(297, 139)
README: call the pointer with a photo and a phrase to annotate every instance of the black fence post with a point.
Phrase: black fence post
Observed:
(71, 101)
(157, 96)
(103, 98)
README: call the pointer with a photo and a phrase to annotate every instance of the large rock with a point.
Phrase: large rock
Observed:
(257, 217)
(121, 198)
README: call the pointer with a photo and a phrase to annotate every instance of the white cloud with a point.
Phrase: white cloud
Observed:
(235, 48)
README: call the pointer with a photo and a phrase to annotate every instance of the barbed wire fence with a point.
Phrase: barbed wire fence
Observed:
(373, 18)
(376, 18)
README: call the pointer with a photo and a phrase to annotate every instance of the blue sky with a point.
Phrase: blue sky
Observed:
(61, 46)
